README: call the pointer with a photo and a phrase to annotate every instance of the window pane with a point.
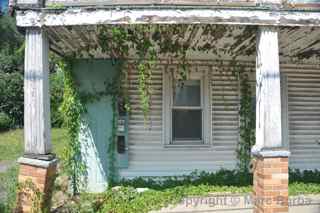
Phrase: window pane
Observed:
(187, 93)
(187, 124)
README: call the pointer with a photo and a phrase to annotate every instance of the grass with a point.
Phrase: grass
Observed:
(304, 188)
(11, 143)
(11, 147)
(8, 183)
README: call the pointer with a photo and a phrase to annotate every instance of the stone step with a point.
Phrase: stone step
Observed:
(238, 204)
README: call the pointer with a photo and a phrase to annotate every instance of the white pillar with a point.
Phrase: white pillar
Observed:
(269, 185)
(268, 93)
(36, 94)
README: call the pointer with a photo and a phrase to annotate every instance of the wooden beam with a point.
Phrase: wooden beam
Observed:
(29, 3)
(86, 3)
(268, 93)
(36, 94)
(235, 16)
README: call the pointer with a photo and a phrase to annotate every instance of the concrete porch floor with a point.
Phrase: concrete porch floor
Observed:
(239, 204)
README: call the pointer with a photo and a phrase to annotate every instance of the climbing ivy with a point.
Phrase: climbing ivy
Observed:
(72, 110)
(247, 123)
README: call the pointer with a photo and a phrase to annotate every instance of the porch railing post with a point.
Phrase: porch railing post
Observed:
(271, 158)
(38, 164)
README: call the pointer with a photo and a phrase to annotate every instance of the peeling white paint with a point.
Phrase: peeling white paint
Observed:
(167, 16)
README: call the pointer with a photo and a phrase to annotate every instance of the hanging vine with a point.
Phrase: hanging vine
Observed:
(247, 123)
(72, 110)
(113, 89)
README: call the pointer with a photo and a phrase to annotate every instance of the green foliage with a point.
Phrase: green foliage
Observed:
(56, 98)
(126, 199)
(11, 96)
(144, 80)
(304, 188)
(11, 60)
(5, 122)
(55, 6)
(72, 110)
(306, 176)
(129, 200)
(220, 178)
(11, 71)
(8, 184)
(247, 123)
(116, 42)
(9, 37)
(112, 173)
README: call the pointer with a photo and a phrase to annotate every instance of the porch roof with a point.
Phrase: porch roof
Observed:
(300, 44)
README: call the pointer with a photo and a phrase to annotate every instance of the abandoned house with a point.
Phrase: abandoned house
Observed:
(191, 86)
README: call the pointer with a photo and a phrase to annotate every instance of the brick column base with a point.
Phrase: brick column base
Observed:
(270, 184)
(36, 178)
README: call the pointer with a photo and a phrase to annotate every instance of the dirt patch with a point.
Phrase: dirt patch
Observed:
(5, 165)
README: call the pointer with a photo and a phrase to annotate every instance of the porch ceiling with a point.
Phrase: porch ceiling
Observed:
(296, 43)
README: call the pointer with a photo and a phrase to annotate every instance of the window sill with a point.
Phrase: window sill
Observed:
(187, 146)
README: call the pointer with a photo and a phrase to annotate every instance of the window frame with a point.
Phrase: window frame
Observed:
(197, 73)
(284, 110)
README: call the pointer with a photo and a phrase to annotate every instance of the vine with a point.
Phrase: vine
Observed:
(113, 89)
(111, 146)
(72, 110)
(247, 123)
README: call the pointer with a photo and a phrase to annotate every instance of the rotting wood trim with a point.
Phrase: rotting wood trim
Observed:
(232, 16)
(37, 135)
(154, 2)
(268, 92)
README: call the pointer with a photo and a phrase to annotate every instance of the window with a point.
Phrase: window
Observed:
(187, 110)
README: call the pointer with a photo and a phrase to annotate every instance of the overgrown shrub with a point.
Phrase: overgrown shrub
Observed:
(220, 178)
(56, 98)
(129, 200)
(11, 96)
(306, 176)
(10, 61)
(5, 122)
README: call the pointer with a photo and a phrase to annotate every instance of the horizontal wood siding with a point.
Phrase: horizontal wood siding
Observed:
(147, 154)
(304, 116)
(149, 157)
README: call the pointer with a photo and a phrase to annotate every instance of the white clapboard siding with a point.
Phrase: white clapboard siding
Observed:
(303, 115)
(147, 153)
(149, 157)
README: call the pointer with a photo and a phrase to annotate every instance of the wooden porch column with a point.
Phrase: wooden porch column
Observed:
(271, 158)
(38, 164)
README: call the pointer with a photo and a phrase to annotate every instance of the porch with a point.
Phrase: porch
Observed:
(285, 117)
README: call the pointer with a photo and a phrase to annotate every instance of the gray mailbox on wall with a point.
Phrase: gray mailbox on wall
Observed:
(122, 147)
